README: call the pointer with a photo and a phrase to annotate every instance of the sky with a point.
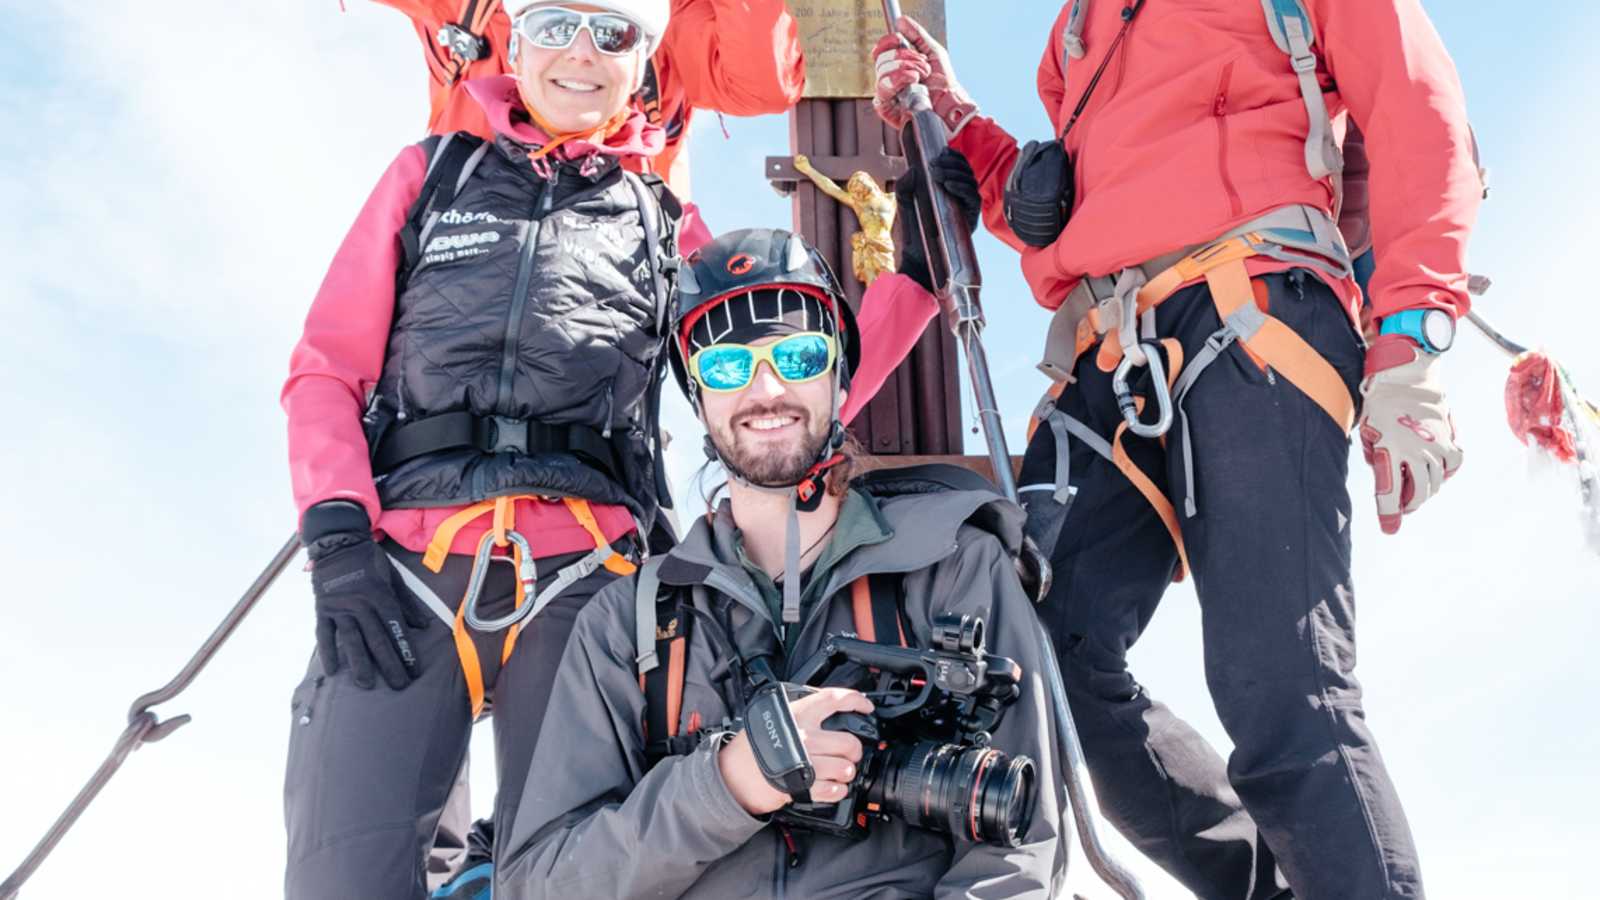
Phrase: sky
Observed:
(181, 173)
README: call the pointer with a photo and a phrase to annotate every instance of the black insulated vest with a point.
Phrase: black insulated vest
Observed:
(531, 300)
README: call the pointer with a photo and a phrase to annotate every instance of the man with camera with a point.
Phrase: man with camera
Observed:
(804, 697)
(1209, 364)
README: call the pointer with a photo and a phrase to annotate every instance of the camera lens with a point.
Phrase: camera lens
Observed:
(974, 793)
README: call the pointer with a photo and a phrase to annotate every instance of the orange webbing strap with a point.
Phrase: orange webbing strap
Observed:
(505, 519)
(677, 658)
(1156, 291)
(861, 608)
(1282, 349)
(1152, 495)
(616, 563)
(445, 534)
(1194, 266)
(663, 689)
(875, 605)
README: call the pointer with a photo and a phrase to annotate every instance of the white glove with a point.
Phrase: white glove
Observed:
(1407, 434)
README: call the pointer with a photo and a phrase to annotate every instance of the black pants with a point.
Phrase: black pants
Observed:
(370, 770)
(1304, 791)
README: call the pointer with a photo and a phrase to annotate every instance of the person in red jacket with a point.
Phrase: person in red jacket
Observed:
(739, 57)
(1209, 362)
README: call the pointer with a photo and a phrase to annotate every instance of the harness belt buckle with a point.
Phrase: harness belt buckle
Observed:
(505, 435)
(1126, 402)
(462, 43)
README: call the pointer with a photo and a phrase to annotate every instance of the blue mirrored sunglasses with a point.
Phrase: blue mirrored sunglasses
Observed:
(797, 358)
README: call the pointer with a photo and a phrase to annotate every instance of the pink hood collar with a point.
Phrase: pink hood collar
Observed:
(500, 101)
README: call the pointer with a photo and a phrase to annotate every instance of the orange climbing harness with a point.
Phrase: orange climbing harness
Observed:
(502, 535)
(1122, 321)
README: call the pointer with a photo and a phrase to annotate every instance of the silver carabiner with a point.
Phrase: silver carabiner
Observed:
(1125, 398)
(527, 573)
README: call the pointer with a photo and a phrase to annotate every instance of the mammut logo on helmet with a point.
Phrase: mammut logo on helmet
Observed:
(741, 264)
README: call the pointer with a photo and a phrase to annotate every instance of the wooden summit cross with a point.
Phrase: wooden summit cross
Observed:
(918, 411)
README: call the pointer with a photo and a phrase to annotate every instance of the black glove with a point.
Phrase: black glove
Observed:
(952, 172)
(360, 619)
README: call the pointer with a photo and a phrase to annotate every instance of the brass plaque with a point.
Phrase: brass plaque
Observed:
(838, 35)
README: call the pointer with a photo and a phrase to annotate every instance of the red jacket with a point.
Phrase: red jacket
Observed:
(1200, 126)
(740, 57)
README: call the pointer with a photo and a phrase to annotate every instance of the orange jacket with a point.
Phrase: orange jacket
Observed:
(740, 57)
(1200, 127)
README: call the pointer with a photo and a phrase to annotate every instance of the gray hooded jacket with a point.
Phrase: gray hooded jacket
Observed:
(597, 820)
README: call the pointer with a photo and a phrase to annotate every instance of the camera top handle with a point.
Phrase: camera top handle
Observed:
(972, 674)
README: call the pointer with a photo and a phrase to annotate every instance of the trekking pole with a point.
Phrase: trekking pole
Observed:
(953, 265)
(144, 726)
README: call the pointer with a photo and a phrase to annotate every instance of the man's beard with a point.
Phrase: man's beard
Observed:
(782, 466)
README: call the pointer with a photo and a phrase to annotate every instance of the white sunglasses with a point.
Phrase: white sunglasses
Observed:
(556, 27)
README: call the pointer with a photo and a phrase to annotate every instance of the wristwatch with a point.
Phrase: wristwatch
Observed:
(1434, 330)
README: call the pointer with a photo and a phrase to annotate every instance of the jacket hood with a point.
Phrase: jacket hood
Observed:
(502, 104)
(921, 527)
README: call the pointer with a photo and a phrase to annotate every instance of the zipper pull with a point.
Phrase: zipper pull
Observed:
(791, 846)
(610, 404)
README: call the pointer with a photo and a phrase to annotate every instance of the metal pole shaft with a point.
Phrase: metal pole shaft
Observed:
(1494, 335)
(1080, 791)
(954, 266)
(983, 395)
(143, 725)
(128, 742)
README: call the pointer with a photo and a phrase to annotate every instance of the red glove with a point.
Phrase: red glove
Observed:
(1407, 434)
(950, 101)
(898, 67)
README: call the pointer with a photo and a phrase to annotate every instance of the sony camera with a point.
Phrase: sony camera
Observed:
(926, 758)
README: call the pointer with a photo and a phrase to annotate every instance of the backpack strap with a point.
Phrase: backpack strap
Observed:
(875, 603)
(659, 214)
(661, 634)
(1290, 26)
(646, 592)
(451, 161)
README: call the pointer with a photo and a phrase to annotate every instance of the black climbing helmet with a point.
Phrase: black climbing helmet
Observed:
(751, 259)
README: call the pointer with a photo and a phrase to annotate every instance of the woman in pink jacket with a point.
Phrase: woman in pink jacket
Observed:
(1209, 363)
(473, 437)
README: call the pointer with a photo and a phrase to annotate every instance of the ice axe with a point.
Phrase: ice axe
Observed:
(953, 265)
(144, 726)
(1545, 410)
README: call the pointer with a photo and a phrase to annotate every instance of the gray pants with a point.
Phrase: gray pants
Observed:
(370, 771)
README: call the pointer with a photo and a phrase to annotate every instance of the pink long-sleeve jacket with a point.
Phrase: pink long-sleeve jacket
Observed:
(1199, 126)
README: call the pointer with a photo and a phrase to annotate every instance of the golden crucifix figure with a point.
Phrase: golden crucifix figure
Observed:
(872, 248)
